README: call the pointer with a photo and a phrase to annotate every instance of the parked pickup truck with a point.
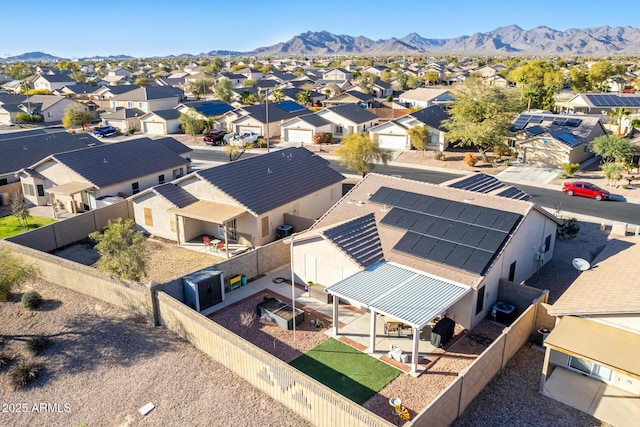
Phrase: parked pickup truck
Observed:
(105, 131)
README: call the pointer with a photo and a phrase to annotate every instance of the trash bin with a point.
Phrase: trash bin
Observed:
(542, 336)
(243, 280)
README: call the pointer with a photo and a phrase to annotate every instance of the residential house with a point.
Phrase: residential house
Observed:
(235, 78)
(413, 250)
(357, 97)
(117, 75)
(424, 97)
(206, 109)
(50, 107)
(291, 94)
(52, 82)
(242, 201)
(160, 122)
(382, 90)
(337, 75)
(125, 119)
(348, 119)
(302, 128)
(551, 140)
(375, 69)
(250, 73)
(591, 360)
(599, 103)
(75, 179)
(262, 119)
(148, 98)
(20, 150)
(394, 134)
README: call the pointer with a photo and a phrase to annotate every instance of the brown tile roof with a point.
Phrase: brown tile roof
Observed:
(611, 285)
(355, 204)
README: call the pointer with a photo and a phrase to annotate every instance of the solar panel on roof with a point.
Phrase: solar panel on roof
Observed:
(423, 224)
(290, 106)
(536, 119)
(535, 130)
(453, 210)
(439, 227)
(424, 245)
(469, 215)
(473, 236)
(459, 256)
(573, 122)
(559, 121)
(595, 100)
(486, 218)
(407, 242)
(392, 217)
(455, 233)
(514, 193)
(381, 195)
(478, 261)
(441, 251)
(506, 221)
(492, 241)
(407, 200)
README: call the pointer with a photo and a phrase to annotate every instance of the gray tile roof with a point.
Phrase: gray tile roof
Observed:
(175, 195)
(81, 88)
(6, 98)
(173, 145)
(276, 114)
(358, 239)
(314, 120)
(120, 162)
(121, 113)
(265, 182)
(432, 116)
(57, 78)
(22, 149)
(171, 114)
(150, 92)
(354, 113)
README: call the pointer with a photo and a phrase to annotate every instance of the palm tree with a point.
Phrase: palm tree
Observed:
(619, 114)
(278, 95)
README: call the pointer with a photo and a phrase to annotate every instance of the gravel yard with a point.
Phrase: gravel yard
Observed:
(106, 363)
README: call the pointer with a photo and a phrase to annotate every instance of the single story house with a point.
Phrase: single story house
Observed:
(242, 201)
(75, 179)
(348, 119)
(302, 128)
(591, 358)
(551, 140)
(413, 250)
(160, 122)
(425, 97)
(394, 134)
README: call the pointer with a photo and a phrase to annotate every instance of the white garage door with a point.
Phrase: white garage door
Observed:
(392, 142)
(255, 129)
(154, 128)
(298, 135)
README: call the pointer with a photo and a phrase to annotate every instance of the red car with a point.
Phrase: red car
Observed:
(585, 189)
(214, 137)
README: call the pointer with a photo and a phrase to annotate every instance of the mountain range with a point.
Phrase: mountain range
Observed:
(511, 40)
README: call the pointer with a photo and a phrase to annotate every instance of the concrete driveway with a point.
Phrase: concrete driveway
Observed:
(521, 173)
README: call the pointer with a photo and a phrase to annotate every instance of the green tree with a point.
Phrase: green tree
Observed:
(249, 83)
(191, 123)
(14, 272)
(419, 136)
(612, 172)
(122, 249)
(366, 82)
(142, 81)
(79, 76)
(278, 95)
(214, 66)
(19, 209)
(356, 152)
(235, 149)
(432, 77)
(540, 81)
(247, 98)
(619, 114)
(224, 90)
(19, 70)
(579, 79)
(481, 115)
(599, 73)
(613, 148)
(266, 69)
(303, 97)
(401, 81)
(200, 86)
(77, 115)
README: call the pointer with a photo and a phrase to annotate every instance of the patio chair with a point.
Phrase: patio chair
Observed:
(219, 246)
(207, 243)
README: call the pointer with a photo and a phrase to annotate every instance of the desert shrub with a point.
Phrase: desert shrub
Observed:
(439, 155)
(31, 300)
(25, 374)
(502, 151)
(39, 344)
(5, 360)
(570, 168)
(470, 159)
(568, 230)
(322, 137)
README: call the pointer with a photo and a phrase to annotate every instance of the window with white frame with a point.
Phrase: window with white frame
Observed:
(589, 368)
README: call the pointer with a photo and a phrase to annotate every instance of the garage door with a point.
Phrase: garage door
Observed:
(154, 128)
(255, 129)
(299, 135)
(392, 142)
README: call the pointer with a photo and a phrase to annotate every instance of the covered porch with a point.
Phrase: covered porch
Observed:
(73, 196)
(408, 299)
(209, 226)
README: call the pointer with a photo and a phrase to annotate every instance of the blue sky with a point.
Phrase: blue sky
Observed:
(75, 28)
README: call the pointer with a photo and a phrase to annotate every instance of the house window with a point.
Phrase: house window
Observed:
(4, 181)
(40, 189)
(480, 301)
(129, 104)
(547, 243)
(28, 189)
(177, 173)
(142, 105)
(589, 368)
(161, 179)
(148, 217)
(585, 149)
(114, 104)
(265, 226)
(48, 113)
(135, 188)
(339, 129)
(512, 271)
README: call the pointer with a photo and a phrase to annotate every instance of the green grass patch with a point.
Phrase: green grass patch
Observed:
(346, 370)
(9, 225)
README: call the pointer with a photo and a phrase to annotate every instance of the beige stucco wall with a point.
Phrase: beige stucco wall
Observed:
(331, 265)
(348, 126)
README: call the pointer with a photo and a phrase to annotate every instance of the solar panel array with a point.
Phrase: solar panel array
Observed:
(609, 100)
(564, 136)
(535, 130)
(290, 106)
(453, 233)
(525, 119)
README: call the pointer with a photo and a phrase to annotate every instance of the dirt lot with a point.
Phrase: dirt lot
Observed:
(106, 363)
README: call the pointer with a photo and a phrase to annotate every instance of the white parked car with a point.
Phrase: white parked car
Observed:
(246, 137)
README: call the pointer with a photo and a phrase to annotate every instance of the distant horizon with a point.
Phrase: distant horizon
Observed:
(158, 29)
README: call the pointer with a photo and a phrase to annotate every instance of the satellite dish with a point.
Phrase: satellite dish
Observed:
(581, 264)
